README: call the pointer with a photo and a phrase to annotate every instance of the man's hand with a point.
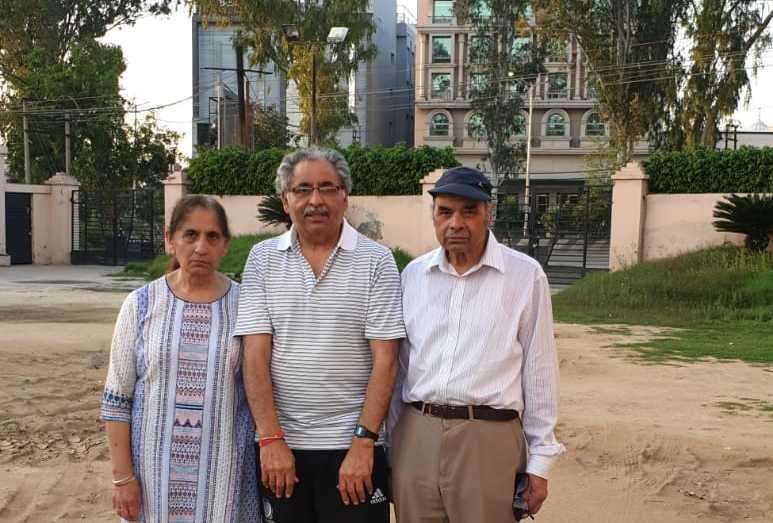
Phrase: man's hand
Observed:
(354, 476)
(536, 493)
(127, 500)
(277, 469)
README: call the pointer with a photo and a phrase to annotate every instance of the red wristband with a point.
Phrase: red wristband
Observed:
(268, 440)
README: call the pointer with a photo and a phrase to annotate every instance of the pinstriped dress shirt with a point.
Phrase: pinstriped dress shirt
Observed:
(484, 337)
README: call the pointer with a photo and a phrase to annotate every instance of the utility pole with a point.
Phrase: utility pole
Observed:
(240, 95)
(219, 112)
(27, 174)
(528, 162)
(67, 144)
(313, 126)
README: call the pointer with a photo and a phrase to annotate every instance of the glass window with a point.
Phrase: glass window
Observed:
(441, 49)
(521, 49)
(443, 12)
(556, 125)
(590, 90)
(478, 83)
(558, 86)
(520, 124)
(557, 51)
(594, 126)
(479, 49)
(441, 85)
(568, 198)
(439, 125)
(482, 9)
(475, 128)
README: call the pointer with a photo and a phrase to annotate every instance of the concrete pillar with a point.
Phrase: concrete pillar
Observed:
(629, 214)
(5, 259)
(426, 229)
(175, 187)
(61, 216)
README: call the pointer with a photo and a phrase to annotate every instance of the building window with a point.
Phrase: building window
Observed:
(479, 49)
(475, 127)
(590, 90)
(441, 85)
(439, 125)
(557, 125)
(519, 88)
(557, 51)
(481, 9)
(443, 12)
(441, 49)
(565, 198)
(594, 126)
(558, 86)
(478, 83)
(520, 124)
(522, 49)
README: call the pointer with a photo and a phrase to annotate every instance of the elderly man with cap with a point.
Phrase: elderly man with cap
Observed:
(478, 370)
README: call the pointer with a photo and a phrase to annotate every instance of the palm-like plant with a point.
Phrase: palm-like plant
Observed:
(751, 215)
(272, 212)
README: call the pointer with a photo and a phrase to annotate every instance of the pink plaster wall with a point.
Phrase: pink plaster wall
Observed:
(679, 223)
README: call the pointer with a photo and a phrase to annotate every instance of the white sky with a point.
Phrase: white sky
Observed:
(158, 55)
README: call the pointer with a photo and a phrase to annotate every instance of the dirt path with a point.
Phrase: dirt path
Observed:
(645, 443)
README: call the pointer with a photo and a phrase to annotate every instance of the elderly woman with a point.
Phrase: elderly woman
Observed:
(179, 428)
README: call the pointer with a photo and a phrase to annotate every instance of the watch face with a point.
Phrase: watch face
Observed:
(362, 432)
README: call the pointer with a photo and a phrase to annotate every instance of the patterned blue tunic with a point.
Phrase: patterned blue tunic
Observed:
(175, 377)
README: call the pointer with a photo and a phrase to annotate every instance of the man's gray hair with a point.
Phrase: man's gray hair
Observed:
(284, 174)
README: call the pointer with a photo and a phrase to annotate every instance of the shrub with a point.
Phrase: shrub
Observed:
(750, 215)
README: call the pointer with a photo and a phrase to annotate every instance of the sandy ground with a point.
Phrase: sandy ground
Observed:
(666, 443)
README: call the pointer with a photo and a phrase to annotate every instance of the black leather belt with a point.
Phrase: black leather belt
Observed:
(465, 412)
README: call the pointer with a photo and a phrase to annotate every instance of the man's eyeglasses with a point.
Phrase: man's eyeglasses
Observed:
(326, 191)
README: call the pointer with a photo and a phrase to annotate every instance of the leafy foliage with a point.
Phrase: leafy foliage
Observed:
(629, 46)
(702, 170)
(271, 211)
(263, 35)
(751, 215)
(375, 170)
(502, 73)
(270, 128)
(723, 36)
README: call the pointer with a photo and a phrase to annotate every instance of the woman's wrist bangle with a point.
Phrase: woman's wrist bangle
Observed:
(262, 441)
(124, 481)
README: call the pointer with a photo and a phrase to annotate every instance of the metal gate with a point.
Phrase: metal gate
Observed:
(113, 228)
(18, 227)
(569, 238)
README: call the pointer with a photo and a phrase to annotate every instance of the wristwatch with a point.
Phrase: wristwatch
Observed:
(362, 432)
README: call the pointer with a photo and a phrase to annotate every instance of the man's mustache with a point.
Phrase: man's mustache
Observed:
(314, 211)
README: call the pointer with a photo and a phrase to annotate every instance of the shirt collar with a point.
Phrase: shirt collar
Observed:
(346, 241)
(492, 257)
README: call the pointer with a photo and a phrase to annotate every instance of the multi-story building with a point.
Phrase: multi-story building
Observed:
(565, 126)
(380, 92)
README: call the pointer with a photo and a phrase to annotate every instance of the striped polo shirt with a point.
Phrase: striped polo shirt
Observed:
(320, 361)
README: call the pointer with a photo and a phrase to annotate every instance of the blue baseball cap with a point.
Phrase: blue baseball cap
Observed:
(465, 182)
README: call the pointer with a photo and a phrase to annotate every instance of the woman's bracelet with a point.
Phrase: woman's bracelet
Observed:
(268, 440)
(124, 481)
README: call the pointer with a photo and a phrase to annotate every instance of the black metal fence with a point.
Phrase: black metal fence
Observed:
(113, 228)
(570, 238)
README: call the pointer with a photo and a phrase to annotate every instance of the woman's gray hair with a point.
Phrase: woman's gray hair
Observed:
(284, 174)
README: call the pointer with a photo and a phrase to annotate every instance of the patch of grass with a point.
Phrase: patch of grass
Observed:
(721, 299)
(746, 405)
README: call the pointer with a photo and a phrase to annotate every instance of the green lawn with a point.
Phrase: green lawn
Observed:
(720, 299)
(232, 264)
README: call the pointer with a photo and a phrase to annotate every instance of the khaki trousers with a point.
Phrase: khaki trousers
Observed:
(455, 471)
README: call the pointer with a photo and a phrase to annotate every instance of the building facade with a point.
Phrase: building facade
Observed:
(565, 126)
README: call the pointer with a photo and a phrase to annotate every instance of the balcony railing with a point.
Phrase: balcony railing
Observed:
(558, 94)
(443, 20)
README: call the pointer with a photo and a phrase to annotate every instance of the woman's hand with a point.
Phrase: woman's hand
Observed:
(127, 500)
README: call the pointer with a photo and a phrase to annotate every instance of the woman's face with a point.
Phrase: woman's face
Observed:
(198, 243)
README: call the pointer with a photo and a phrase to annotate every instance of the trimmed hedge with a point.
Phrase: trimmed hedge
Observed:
(701, 170)
(376, 170)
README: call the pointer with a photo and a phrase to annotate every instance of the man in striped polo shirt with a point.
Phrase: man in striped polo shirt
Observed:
(478, 371)
(320, 315)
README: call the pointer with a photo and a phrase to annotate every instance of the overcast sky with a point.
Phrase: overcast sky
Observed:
(158, 56)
